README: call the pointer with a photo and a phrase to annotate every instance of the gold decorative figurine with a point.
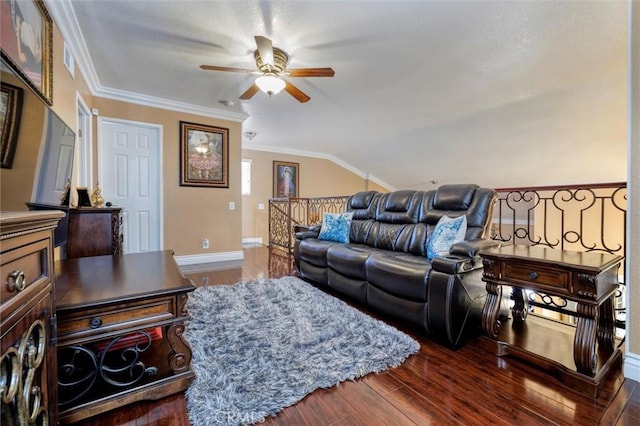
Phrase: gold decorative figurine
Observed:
(96, 197)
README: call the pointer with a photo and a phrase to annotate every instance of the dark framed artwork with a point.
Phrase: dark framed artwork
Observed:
(83, 197)
(204, 155)
(10, 112)
(27, 43)
(286, 179)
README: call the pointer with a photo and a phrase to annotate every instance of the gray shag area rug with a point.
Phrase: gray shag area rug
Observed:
(259, 347)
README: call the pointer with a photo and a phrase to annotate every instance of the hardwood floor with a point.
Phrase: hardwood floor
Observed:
(436, 386)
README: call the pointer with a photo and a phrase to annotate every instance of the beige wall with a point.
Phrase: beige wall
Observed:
(318, 178)
(16, 183)
(190, 213)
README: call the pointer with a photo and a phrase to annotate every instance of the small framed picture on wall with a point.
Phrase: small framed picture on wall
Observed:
(286, 179)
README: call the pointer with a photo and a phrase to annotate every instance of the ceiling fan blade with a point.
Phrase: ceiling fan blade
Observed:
(265, 48)
(296, 93)
(216, 68)
(311, 72)
(250, 92)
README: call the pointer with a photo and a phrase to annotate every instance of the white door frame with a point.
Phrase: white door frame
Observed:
(105, 120)
(84, 136)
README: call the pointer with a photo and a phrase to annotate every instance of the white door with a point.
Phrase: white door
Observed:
(130, 158)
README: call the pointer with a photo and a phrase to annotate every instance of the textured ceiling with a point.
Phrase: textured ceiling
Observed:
(503, 93)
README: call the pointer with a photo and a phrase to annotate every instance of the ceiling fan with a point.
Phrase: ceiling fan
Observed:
(272, 66)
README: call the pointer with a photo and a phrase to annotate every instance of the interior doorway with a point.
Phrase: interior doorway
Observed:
(130, 177)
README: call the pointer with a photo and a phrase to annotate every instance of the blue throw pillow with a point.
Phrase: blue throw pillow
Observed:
(335, 227)
(447, 232)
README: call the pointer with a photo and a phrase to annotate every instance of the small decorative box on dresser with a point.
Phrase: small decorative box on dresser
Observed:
(94, 231)
(579, 356)
(28, 360)
(120, 325)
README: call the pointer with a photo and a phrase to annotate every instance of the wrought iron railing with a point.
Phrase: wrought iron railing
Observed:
(285, 214)
(571, 217)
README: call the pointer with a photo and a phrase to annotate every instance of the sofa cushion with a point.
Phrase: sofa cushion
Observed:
(401, 274)
(314, 251)
(335, 227)
(349, 259)
(354, 288)
(447, 232)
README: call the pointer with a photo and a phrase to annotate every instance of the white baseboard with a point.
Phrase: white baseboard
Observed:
(252, 240)
(195, 259)
(632, 366)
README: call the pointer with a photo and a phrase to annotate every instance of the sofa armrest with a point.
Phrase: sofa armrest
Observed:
(307, 234)
(463, 256)
(451, 264)
(471, 248)
(310, 232)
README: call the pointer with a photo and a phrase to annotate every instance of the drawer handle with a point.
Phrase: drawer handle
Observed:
(19, 281)
(95, 322)
(533, 275)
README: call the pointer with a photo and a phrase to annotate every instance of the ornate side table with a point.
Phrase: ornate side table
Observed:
(579, 357)
(119, 333)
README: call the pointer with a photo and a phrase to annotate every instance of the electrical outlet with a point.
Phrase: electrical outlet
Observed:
(205, 243)
(260, 206)
(232, 205)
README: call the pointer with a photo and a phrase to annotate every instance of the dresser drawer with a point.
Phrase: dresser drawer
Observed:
(22, 267)
(536, 275)
(113, 318)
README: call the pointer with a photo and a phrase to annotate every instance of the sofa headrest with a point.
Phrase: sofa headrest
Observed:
(399, 207)
(454, 197)
(398, 201)
(361, 200)
(363, 204)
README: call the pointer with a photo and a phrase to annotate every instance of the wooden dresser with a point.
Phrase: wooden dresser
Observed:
(94, 231)
(120, 324)
(27, 326)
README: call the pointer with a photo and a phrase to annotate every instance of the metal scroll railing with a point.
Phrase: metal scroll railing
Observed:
(570, 217)
(285, 214)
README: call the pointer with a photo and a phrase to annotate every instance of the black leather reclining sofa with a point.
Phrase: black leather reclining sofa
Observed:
(384, 265)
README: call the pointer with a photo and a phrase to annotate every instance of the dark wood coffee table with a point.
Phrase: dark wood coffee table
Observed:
(120, 321)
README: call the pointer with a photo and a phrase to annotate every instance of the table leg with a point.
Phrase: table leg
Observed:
(584, 343)
(520, 306)
(491, 308)
(606, 325)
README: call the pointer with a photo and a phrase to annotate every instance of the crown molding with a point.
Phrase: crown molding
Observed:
(323, 156)
(168, 104)
(66, 21)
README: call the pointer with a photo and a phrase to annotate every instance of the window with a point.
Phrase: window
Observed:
(246, 177)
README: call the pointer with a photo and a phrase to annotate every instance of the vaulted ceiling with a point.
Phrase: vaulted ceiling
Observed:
(502, 93)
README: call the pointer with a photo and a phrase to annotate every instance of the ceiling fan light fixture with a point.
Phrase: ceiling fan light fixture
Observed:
(270, 84)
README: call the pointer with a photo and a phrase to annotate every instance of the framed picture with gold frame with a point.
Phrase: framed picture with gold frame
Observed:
(10, 112)
(204, 155)
(27, 44)
(286, 179)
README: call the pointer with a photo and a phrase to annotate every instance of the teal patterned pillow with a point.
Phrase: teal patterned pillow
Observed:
(447, 232)
(335, 227)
